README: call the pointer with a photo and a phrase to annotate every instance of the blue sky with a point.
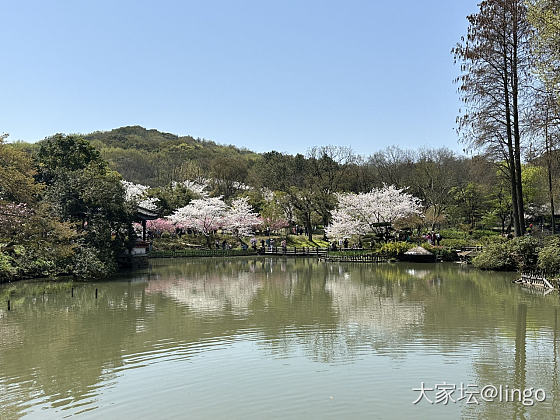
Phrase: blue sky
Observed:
(283, 75)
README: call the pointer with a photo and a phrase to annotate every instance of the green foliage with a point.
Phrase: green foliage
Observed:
(442, 253)
(496, 256)
(516, 254)
(77, 225)
(471, 203)
(394, 249)
(7, 270)
(525, 251)
(16, 175)
(154, 158)
(90, 263)
(549, 260)
(458, 243)
(170, 198)
(544, 16)
(68, 153)
(549, 256)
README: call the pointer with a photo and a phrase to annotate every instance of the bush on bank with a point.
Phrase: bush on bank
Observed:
(525, 253)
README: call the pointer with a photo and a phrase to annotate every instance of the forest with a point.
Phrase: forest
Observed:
(68, 202)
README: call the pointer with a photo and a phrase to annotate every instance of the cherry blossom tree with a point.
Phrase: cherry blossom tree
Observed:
(274, 224)
(12, 216)
(160, 226)
(358, 214)
(240, 218)
(199, 188)
(137, 193)
(204, 215)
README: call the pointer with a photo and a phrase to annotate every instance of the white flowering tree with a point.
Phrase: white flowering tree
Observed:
(137, 193)
(358, 214)
(240, 219)
(199, 188)
(204, 215)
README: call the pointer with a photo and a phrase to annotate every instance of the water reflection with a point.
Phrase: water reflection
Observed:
(441, 322)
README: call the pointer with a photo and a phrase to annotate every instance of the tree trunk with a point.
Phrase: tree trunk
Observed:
(549, 170)
(309, 228)
(516, 133)
(511, 165)
(511, 154)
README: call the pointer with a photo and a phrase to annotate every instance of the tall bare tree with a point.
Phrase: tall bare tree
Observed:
(494, 69)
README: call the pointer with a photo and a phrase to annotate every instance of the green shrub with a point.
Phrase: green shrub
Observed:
(525, 252)
(453, 234)
(394, 249)
(88, 263)
(515, 254)
(457, 243)
(7, 271)
(441, 252)
(549, 259)
(497, 256)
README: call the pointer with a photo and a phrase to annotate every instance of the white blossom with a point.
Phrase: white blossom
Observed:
(203, 215)
(198, 187)
(358, 214)
(138, 193)
(240, 219)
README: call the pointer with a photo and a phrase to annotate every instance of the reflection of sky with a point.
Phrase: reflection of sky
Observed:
(239, 339)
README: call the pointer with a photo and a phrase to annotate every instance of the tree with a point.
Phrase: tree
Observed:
(67, 153)
(204, 215)
(471, 202)
(494, 61)
(500, 201)
(359, 214)
(303, 201)
(544, 16)
(435, 173)
(240, 218)
(545, 128)
(228, 175)
(82, 190)
(159, 226)
(392, 166)
(328, 167)
(17, 182)
(138, 195)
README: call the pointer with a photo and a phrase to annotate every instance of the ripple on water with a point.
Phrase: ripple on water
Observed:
(295, 339)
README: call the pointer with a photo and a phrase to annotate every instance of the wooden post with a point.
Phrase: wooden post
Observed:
(72, 292)
(9, 304)
(95, 293)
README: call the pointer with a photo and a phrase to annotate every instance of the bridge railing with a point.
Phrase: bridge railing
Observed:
(302, 251)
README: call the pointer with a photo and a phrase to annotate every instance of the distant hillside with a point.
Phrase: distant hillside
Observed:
(155, 158)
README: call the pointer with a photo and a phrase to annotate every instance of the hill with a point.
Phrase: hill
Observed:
(155, 158)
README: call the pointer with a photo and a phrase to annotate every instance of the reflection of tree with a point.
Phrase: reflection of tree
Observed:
(373, 315)
(528, 358)
(520, 356)
(65, 349)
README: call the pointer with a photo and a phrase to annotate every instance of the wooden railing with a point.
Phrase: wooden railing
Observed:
(294, 251)
(201, 253)
(535, 279)
(365, 258)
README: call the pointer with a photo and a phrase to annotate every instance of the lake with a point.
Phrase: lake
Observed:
(252, 338)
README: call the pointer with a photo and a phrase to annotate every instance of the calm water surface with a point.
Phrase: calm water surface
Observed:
(274, 338)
